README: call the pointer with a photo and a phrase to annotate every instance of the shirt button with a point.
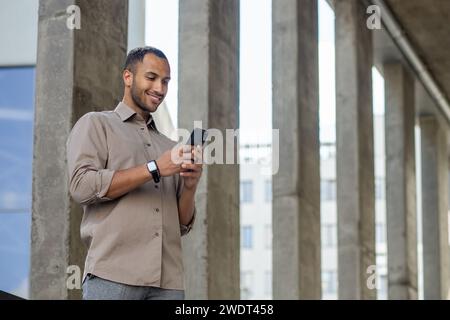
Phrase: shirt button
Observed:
(156, 186)
(156, 234)
(148, 144)
(142, 128)
(157, 209)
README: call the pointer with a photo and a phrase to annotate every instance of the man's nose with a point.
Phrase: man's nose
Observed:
(158, 87)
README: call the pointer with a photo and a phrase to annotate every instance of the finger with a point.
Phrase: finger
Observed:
(186, 148)
(191, 166)
(197, 152)
(183, 149)
(189, 152)
(186, 161)
(198, 156)
(197, 159)
(190, 174)
(175, 156)
(186, 156)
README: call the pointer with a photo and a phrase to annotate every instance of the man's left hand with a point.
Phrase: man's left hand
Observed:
(191, 172)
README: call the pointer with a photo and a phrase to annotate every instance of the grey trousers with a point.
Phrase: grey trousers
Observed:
(95, 288)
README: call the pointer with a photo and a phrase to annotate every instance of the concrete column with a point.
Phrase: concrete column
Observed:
(296, 186)
(77, 71)
(209, 92)
(354, 148)
(434, 208)
(400, 183)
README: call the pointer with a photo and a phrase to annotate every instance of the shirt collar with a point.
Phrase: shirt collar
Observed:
(125, 113)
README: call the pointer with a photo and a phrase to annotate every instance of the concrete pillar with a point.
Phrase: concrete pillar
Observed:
(400, 183)
(296, 186)
(77, 71)
(354, 148)
(209, 92)
(434, 208)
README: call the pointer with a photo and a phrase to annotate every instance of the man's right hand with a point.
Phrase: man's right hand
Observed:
(169, 163)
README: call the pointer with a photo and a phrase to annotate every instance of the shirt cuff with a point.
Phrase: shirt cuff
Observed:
(103, 182)
(185, 229)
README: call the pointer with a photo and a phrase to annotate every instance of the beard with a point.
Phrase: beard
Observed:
(137, 100)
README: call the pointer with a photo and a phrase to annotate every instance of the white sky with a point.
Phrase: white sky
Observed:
(161, 31)
(256, 65)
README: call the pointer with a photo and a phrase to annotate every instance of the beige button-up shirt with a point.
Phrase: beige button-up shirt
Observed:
(136, 238)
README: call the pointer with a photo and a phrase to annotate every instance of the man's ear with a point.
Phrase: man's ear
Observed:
(127, 78)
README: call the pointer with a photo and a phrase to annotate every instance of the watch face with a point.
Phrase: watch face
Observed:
(152, 166)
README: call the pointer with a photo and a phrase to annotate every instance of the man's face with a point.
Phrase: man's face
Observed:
(150, 82)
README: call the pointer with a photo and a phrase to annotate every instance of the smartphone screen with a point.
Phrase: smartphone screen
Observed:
(198, 137)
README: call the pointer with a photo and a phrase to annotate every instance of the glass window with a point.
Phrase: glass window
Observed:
(246, 284)
(329, 281)
(246, 191)
(247, 237)
(380, 232)
(16, 154)
(382, 287)
(379, 189)
(268, 190)
(327, 150)
(268, 236)
(14, 252)
(268, 283)
(329, 236)
(328, 190)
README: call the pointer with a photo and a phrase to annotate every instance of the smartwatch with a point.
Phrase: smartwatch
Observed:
(154, 171)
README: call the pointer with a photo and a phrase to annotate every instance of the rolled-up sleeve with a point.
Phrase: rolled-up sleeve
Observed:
(87, 156)
(184, 229)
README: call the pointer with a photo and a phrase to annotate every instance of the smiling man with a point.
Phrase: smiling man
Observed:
(137, 195)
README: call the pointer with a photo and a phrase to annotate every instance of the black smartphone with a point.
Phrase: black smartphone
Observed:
(198, 137)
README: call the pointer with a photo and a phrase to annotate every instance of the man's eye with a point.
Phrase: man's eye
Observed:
(151, 78)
